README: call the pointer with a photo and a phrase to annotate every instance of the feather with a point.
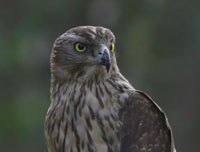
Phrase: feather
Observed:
(145, 126)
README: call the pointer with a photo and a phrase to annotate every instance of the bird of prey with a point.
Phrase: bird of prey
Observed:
(94, 108)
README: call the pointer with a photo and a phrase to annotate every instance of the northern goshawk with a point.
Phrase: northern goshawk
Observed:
(94, 108)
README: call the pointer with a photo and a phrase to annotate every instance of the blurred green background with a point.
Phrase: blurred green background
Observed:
(158, 45)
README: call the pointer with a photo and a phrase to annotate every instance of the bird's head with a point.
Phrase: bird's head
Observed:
(84, 52)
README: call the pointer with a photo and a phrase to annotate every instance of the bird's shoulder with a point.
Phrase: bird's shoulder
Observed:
(145, 126)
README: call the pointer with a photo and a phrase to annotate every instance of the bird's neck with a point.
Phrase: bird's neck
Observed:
(90, 109)
(114, 82)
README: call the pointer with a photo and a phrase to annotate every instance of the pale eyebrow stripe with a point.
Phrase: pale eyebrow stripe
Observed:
(73, 36)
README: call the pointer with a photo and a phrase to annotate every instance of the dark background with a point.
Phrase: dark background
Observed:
(158, 45)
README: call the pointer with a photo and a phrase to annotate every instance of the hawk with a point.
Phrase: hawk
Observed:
(94, 108)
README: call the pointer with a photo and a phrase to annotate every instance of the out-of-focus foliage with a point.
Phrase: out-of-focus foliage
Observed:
(158, 45)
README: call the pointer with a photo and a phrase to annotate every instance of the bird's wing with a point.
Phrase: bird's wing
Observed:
(145, 127)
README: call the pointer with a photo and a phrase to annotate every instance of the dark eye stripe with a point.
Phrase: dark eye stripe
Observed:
(93, 54)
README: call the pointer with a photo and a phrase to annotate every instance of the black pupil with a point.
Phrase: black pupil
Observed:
(111, 47)
(81, 46)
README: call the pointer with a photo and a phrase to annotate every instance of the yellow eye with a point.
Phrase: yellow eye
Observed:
(80, 47)
(112, 47)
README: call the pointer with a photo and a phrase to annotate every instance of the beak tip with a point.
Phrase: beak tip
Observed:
(107, 67)
(104, 59)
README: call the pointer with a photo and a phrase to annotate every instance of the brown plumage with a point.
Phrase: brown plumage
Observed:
(94, 108)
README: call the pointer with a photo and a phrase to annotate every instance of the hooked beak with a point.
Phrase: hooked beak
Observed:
(104, 57)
